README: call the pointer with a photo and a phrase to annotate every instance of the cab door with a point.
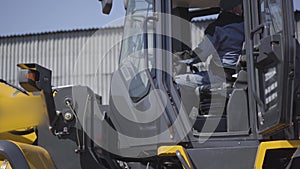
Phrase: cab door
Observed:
(137, 103)
(271, 63)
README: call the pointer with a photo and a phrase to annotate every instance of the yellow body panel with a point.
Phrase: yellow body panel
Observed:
(28, 138)
(270, 145)
(18, 110)
(171, 151)
(36, 156)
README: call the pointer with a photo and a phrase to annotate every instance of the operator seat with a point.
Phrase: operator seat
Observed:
(229, 106)
(237, 107)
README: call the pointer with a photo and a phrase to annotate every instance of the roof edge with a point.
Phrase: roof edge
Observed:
(58, 31)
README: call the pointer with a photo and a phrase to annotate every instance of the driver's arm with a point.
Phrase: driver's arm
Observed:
(205, 49)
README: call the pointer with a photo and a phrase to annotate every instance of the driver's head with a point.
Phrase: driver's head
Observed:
(234, 6)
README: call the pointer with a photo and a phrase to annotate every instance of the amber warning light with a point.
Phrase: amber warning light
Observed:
(33, 77)
(30, 76)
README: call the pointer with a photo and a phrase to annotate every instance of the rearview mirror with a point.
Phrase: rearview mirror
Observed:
(106, 6)
(125, 4)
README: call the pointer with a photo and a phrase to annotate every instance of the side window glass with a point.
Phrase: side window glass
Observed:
(276, 16)
(271, 16)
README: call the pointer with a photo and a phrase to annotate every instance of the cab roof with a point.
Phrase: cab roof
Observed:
(196, 3)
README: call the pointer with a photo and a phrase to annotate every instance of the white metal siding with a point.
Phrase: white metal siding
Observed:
(66, 53)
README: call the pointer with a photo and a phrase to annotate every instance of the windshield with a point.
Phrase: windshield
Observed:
(133, 40)
(133, 61)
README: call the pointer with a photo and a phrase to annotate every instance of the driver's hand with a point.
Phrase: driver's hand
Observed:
(182, 55)
(179, 68)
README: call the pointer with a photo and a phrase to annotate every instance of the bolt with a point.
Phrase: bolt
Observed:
(65, 130)
(68, 101)
(68, 116)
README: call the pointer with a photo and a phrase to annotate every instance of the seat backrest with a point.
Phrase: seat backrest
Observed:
(241, 81)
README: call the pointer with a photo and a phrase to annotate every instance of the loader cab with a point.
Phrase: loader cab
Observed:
(150, 107)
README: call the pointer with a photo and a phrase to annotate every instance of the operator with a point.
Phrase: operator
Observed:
(223, 40)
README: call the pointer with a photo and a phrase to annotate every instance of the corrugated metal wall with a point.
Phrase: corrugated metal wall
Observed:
(85, 57)
(93, 53)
